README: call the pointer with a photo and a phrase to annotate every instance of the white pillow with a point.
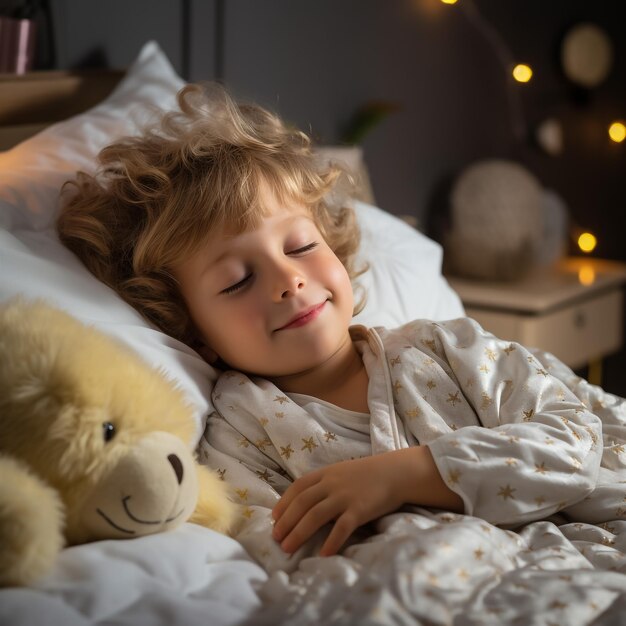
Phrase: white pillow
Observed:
(404, 281)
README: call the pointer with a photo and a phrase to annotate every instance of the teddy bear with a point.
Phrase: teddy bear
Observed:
(94, 444)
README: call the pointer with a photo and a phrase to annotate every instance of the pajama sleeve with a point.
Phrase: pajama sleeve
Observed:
(534, 448)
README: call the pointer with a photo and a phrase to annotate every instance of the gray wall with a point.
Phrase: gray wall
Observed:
(317, 61)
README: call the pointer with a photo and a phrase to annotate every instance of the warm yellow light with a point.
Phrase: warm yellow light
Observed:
(587, 242)
(617, 132)
(449, 1)
(522, 73)
(586, 275)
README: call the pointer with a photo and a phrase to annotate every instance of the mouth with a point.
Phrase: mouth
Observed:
(304, 317)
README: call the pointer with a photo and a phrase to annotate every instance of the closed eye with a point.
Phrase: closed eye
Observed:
(304, 249)
(237, 286)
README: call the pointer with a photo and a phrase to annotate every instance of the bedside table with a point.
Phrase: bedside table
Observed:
(573, 310)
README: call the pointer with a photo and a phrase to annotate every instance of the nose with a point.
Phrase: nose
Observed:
(175, 462)
(288, 281)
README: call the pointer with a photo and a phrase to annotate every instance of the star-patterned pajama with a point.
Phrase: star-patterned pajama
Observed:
(514, 432)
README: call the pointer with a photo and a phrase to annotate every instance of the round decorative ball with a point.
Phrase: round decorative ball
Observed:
(496, 220)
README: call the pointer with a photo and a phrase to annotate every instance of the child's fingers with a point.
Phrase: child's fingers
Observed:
(296, 509)
(292, 492)
(308, 525)
(339, 534)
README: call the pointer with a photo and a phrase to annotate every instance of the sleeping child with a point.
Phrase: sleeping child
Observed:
(223, 229)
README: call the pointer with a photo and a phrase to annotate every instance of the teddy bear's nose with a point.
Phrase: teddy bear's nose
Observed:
(178, 467)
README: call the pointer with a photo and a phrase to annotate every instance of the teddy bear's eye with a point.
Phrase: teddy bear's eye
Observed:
(108, 431)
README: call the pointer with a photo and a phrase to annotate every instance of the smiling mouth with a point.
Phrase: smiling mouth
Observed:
(133, 517)
(305, 317)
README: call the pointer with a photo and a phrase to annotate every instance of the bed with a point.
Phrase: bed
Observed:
(434, 568)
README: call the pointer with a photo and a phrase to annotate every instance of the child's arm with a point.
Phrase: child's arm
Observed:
(356, 492)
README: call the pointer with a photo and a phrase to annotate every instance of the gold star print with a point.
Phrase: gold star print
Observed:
(429, 362)
(453, 476)
(286, 451)
(617, 449)
(490, 354)
(487, 401)
(397, 386)
(262, 443)
(429, 343)
(243, 494)
(557, 605)
(576, 434)
(247, 512)
(592, 434)
(431, 384)
(281, 399)
(263, 421)
(412, 413)
(309, 444)
(330, 436)
(541, 468)
(541, 371)
(463, 574)
(484, 369)
(264, 475)
(469, 382)
(279, 415)
(507, 492)
(528, 415)
(509, 349)
(433, 580)
(243, 443)
(549, 441)
(221, 473)
(560, 394)
(395, 361)
(511, 461)
(478, 554)
(530, 359)
(453, 398)
(242, 381)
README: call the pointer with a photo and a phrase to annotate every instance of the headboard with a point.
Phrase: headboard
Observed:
(30, 102)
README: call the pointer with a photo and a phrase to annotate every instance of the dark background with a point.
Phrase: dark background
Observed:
(316, 62)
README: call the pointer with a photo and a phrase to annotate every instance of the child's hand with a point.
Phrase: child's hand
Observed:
(351, 493)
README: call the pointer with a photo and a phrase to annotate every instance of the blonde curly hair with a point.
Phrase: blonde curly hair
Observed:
(154, 198)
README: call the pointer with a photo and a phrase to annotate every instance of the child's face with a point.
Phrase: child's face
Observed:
(273, 301)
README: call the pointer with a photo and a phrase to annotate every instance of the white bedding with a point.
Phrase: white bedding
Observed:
(188, 576)
(422, 568)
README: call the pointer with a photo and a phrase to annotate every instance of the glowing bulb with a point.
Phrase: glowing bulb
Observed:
(586, 275)
(449, 1)
(587, 242)
(617, 132)
(522, 73)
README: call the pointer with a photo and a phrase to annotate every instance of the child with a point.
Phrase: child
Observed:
(218, 226)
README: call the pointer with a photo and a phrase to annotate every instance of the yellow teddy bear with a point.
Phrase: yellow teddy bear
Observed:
(94, 444)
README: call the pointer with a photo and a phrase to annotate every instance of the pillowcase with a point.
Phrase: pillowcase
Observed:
(404, 281)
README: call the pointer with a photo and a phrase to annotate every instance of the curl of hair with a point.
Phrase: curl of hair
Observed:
(155, 197)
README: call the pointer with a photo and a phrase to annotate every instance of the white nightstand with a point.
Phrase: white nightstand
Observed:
(573, 310)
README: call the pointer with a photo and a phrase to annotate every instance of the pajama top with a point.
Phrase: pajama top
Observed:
(514, 433)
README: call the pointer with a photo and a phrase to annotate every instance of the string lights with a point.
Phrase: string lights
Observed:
(582, 58)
